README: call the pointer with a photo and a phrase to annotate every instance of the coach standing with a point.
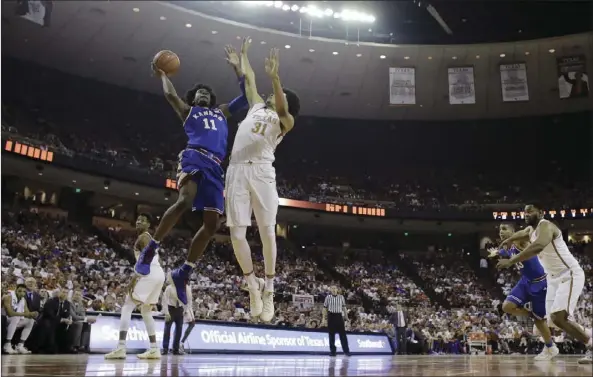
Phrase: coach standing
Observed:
(334, 310)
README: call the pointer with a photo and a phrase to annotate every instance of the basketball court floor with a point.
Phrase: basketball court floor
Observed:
(290, 365)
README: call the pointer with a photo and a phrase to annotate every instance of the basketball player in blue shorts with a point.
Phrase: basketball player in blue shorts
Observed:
(200, 177)
(531, 289)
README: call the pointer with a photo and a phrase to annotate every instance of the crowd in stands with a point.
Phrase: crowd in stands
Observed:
(65, 260)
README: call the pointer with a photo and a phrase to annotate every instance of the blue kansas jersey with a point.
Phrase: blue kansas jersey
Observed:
(207, 134)
(532, 288)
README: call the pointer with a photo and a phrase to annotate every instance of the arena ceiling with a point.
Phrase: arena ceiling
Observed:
(115, 41)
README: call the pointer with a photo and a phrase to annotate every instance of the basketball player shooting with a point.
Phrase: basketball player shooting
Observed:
(531, 289)
(251, 177)
(199, 174)
(144, 292)
(566, 278)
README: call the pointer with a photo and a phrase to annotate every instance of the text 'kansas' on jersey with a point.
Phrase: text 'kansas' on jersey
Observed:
(207, 129)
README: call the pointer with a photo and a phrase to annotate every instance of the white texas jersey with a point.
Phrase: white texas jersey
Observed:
(257, 137)
(556, 257)
(155, 260)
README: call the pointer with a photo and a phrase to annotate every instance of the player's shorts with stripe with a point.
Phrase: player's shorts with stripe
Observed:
(251, 188)
(527, 293)
(204, 169)
(564, 291)
(147, 289)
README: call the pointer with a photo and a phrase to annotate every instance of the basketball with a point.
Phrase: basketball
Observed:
(167, 61)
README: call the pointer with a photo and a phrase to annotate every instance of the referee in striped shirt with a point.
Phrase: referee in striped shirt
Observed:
(334, 310)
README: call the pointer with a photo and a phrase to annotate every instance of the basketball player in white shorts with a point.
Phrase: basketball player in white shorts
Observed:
(144, 291)
(251, 178)
(566, 278)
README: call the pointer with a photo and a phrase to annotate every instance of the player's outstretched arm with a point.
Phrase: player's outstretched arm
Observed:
(251, 93)
(181, 108)
(272, 65)
(239, 103)
(545, 235)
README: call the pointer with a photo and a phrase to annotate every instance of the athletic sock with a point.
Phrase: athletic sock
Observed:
(550, 345)
(251, 281)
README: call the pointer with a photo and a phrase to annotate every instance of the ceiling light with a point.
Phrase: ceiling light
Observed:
(406, 57)
(187, 25)
(430, 58)
(477, 56)
(329, 12)
(162, 18)
(214, 32)
(286, 7)
(314, 11)
(526, 52)
(106, 187)
(238, 37)
(304, 10)
(337, 15)
(294, 8)
(278, 4)
(552, 51)
(520, 31)
(382, 57)
(136, 10)
(40, 173)
(263, 42)
(502, 55)
(370, 30)
(454, 58)
(311, 50)
(269, 3)
(136, 193)
(74, 181)
(287, 46)
(335, 53)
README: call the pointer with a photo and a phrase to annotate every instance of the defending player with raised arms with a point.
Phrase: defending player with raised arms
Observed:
(251, 177)
(530, 290)
(199, 174)
(566, 278)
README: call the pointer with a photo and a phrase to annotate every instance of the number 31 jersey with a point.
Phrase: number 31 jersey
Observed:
(207, 129)
(257, 137)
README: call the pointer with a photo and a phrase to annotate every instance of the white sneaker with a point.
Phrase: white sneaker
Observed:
(588, 359)
(118, 353)
(255, 301)
(548, 353)
(268, 306)
(151, 353)
(22, 350)
(9, 350)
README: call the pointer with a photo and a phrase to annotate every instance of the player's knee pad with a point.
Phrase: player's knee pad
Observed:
(238, 233)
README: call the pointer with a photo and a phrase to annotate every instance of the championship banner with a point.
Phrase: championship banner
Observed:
(234, 337)
(402, 86)
(461, 86)
(573, 81)
(303, 301)
(35, 11)
(513, 80)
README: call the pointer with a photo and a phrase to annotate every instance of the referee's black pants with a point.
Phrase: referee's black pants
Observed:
(176, 314)
(335, 324)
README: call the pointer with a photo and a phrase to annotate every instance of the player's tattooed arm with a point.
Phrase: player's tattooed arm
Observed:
(272, 65)
(251, 93)
(181, 108)
(545, 235)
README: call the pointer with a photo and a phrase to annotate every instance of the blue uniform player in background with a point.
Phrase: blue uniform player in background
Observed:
(531, 289)
(200, 177)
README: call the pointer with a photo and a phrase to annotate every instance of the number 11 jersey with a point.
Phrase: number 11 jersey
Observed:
(207, 129)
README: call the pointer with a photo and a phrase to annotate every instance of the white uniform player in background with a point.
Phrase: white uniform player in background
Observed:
(144, 291)
(566, 278)
(14, 308)
(251, 178)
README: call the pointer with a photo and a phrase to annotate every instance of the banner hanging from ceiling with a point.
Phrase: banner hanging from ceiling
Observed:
(35, 11)
(402, 86)
(573, 81)
(461, 86)
(513, 80)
